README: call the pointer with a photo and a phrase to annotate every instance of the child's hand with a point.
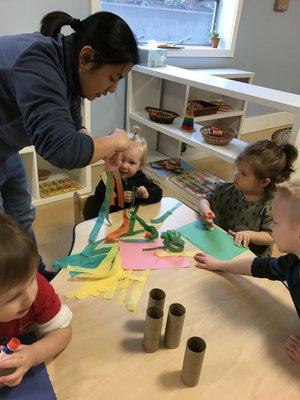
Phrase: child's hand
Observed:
(292, 345)
(142, 192)
(22, 360)
(128, 196)
(113, 161)
(208, 218)
(206, 261)
(241, 238)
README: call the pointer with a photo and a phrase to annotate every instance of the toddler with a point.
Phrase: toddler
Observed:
(243, 208)
(138, 189)
(27, 302)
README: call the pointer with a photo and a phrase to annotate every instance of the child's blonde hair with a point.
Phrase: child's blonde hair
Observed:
(139, 141)
(291, 192)
(270, 160)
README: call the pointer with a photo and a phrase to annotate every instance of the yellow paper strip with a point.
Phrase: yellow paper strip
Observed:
(164, 253)
(137, 292)
(110, 289)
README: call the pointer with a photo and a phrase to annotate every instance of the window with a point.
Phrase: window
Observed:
(182, 22)
(190, 20)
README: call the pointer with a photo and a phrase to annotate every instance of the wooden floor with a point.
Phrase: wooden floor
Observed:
(55, 221)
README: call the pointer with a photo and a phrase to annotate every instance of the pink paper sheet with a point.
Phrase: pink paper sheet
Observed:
(133, 257)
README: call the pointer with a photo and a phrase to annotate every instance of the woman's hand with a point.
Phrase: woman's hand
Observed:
(241, 238)
(142, 192)
(112, 161)
(22, 360)
(206, 261)
(122, 140)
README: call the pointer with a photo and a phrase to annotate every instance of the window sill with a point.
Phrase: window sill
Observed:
(200, 51)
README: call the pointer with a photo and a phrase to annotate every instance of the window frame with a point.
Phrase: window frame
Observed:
(229, 14)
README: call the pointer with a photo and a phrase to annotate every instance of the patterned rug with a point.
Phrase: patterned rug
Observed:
(196, 183)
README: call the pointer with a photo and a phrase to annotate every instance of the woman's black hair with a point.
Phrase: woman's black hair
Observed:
(108, 34)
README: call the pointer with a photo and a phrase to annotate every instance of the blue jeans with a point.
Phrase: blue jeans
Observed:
(15, 196)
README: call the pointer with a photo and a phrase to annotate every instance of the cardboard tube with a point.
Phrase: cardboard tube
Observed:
(153, 324)
(157, 297)
(193, 359)
(174, 325)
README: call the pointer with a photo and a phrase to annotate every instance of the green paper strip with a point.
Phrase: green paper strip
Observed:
(110, 182)
(148, 228)
(173, 241)
(98, 224)
(161, 219)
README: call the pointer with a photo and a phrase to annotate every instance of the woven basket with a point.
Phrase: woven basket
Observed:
(227, 136)
(160, 115)
(282, 136)
(43, 174)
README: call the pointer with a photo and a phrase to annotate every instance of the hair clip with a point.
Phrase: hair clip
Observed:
(75, 24)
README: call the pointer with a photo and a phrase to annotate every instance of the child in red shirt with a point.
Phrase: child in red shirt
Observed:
(27, 302)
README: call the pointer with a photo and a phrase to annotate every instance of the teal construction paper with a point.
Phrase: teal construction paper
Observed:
(215, 242)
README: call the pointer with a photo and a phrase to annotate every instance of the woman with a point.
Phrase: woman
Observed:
(43, 77)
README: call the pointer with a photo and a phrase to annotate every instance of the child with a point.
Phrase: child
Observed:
(27, 301)
(138, 189)
(243, 208)
(286, 233)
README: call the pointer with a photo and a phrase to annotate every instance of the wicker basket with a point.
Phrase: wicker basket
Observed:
(43, 174)
(160, 115)
(282, 136)
(227, 135)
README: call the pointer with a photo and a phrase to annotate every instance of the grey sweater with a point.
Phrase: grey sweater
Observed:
(40, 98)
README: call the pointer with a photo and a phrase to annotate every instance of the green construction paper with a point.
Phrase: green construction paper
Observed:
(215, 242)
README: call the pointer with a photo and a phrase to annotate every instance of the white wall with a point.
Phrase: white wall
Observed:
(18, 16)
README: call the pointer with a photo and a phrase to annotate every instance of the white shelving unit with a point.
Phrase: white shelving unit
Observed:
(171, 88)
(33, 162)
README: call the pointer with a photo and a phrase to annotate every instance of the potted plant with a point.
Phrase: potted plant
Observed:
(214, 38)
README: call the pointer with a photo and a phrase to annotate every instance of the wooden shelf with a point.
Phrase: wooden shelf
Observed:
(219, 115)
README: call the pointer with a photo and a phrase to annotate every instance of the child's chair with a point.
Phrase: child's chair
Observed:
(79, 201)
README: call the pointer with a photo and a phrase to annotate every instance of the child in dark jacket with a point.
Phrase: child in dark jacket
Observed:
(138, 189)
